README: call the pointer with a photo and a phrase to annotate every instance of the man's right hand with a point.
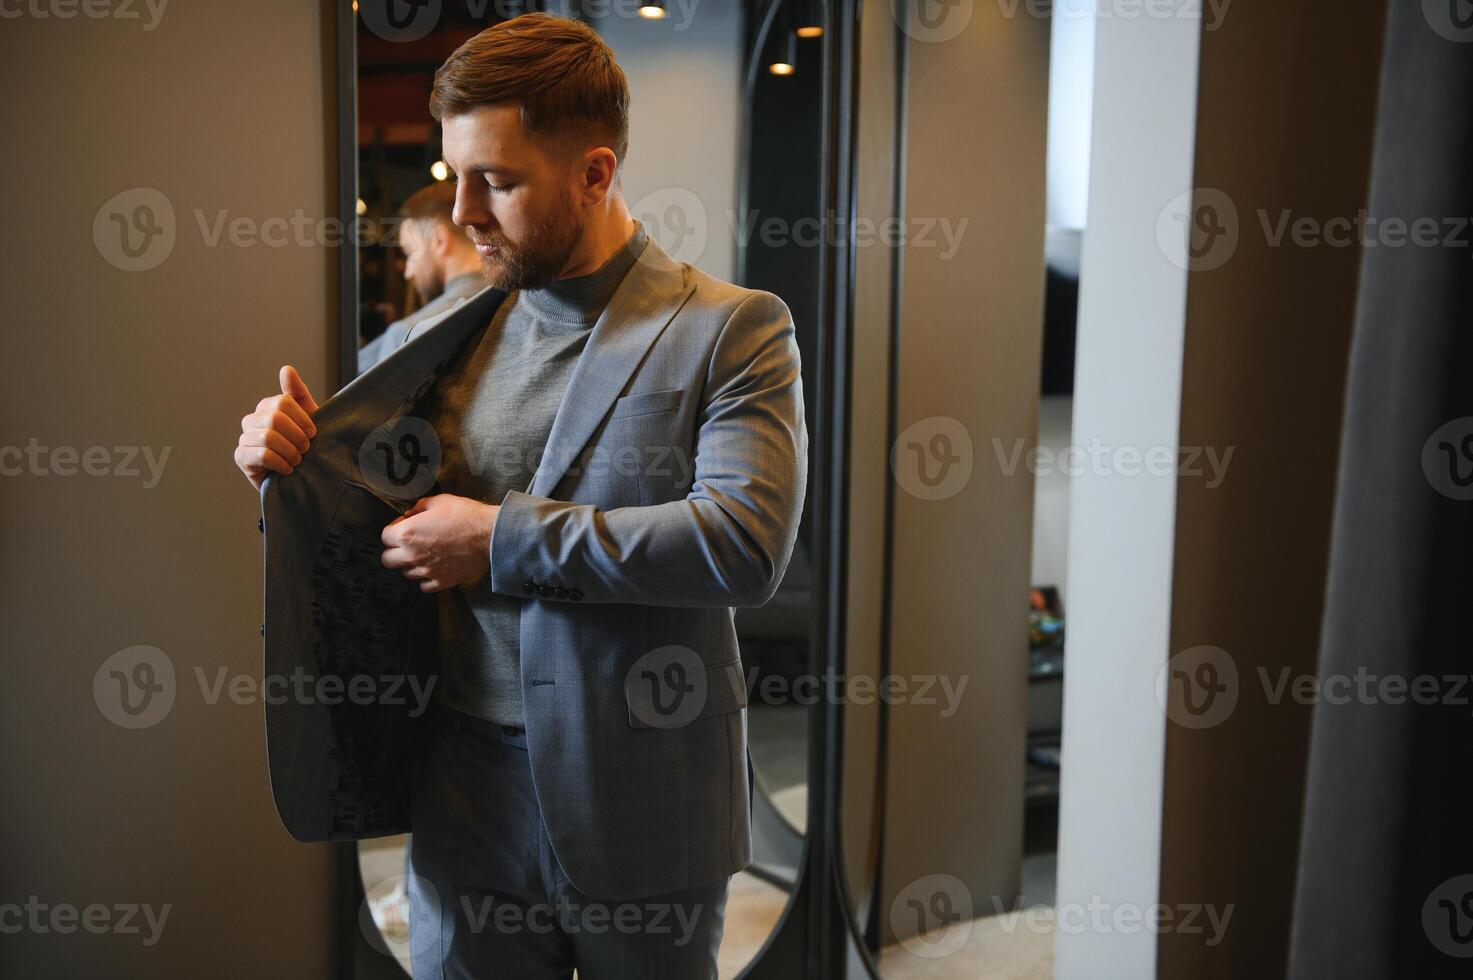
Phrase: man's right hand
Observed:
(274, 436)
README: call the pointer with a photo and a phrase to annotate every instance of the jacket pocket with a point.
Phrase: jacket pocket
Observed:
(647, 403)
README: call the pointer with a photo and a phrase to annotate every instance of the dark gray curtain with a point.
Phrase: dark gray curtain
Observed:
(1388, 826)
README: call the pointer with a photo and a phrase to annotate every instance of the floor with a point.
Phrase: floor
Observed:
(1014, 946)
(1017, 945)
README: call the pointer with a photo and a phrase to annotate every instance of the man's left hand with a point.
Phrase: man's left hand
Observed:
(441, 542)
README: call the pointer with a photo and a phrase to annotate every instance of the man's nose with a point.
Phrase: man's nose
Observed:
(468, 209)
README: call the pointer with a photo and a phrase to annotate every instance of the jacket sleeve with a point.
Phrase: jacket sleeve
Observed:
(728, 542)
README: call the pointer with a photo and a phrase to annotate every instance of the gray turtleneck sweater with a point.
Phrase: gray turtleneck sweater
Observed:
(493, 413)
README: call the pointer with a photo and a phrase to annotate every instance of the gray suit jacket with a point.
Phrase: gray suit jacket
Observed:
(461, 287)
(669, 493)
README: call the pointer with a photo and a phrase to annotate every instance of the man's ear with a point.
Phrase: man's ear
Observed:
(597, 177)
(440, 242)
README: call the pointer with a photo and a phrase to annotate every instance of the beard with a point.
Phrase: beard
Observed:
(536, 260)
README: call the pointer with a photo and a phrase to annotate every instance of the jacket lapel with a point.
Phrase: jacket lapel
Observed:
(394, 385)
(648, 298)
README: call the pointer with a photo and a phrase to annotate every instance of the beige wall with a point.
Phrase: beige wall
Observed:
(220, 106)
(968, 354)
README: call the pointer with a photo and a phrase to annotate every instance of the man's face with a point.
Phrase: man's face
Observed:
(514, 197)
(421, 265)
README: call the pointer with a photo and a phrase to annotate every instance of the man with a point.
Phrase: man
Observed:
(439, 261)
(623, 463)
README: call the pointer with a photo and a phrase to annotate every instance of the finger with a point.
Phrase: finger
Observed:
(431, 586)
(259, 458)
(274, 441)
(292, 384)
(398, 558)
(289, 407)
(418, 573)
(291, 426)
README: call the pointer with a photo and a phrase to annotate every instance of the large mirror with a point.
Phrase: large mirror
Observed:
(723, 170)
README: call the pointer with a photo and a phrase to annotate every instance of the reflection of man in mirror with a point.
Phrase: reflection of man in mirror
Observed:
(439, 261)
(623, 464)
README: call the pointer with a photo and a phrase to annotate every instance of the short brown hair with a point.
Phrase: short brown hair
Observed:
(557, 70)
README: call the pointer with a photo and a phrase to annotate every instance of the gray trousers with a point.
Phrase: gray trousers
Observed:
(488, 898)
